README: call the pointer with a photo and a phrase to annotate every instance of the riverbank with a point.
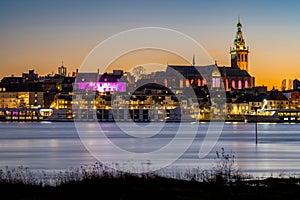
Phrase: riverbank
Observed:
(223, 181)
(133, 187)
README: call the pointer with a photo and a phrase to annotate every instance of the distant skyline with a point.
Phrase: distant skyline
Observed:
(39, 34)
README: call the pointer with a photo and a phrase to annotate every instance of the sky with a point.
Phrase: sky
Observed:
(40, 34)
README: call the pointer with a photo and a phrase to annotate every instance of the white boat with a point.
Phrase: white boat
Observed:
(60, 115)
(20, 114)
(262, 115)
(266, 115)
(273, 115)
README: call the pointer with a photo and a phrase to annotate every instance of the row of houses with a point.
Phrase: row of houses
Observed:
(114, 90)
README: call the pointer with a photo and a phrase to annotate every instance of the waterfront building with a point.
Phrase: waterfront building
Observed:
(246, 103)
(62, 101)
(240, 105)
(101, 83)
(93, 91)
(277, 100)
(21, 95)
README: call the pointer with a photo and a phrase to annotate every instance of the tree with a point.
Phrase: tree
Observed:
(138, 72)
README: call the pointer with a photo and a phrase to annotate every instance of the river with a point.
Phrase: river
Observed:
(55, 146)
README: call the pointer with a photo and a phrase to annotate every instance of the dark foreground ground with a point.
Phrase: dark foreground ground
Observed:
(155, 188)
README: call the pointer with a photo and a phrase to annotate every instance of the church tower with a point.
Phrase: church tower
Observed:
(239, 51)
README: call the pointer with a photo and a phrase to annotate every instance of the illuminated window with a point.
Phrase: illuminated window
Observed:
(216, 82)
(246, 84)
(187, 83)
(181, 83)
(233, 84)
(240, 84)
(226, 83)
(199, 82)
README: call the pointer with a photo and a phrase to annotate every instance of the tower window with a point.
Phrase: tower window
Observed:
(246, 57)
(226, 84)
(233, 84)
(246, 84)
(240, 84)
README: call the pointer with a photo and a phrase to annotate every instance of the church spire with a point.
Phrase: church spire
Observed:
(239, 51)
(239, 41)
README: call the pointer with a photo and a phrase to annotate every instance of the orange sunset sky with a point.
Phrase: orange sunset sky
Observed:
(40, 34)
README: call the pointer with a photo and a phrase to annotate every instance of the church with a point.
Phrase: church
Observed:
(235, 77)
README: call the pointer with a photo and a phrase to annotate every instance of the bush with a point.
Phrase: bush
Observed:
(224, 171)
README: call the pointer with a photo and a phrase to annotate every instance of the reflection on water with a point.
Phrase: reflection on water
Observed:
(56, 146)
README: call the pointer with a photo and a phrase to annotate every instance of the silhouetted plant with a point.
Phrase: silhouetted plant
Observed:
(224, 170)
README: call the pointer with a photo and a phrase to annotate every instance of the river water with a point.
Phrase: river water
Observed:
(55, 146)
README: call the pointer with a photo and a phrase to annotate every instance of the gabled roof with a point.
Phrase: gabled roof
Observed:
(87, 77)
(246, 98)
(186, 70)
(110, 77)
(277, 96)
(233, 72)
(22, 87)
(259, 98)
(12, 80)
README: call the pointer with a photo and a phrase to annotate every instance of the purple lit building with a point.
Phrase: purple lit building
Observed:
(102, 86)
(101, 83)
